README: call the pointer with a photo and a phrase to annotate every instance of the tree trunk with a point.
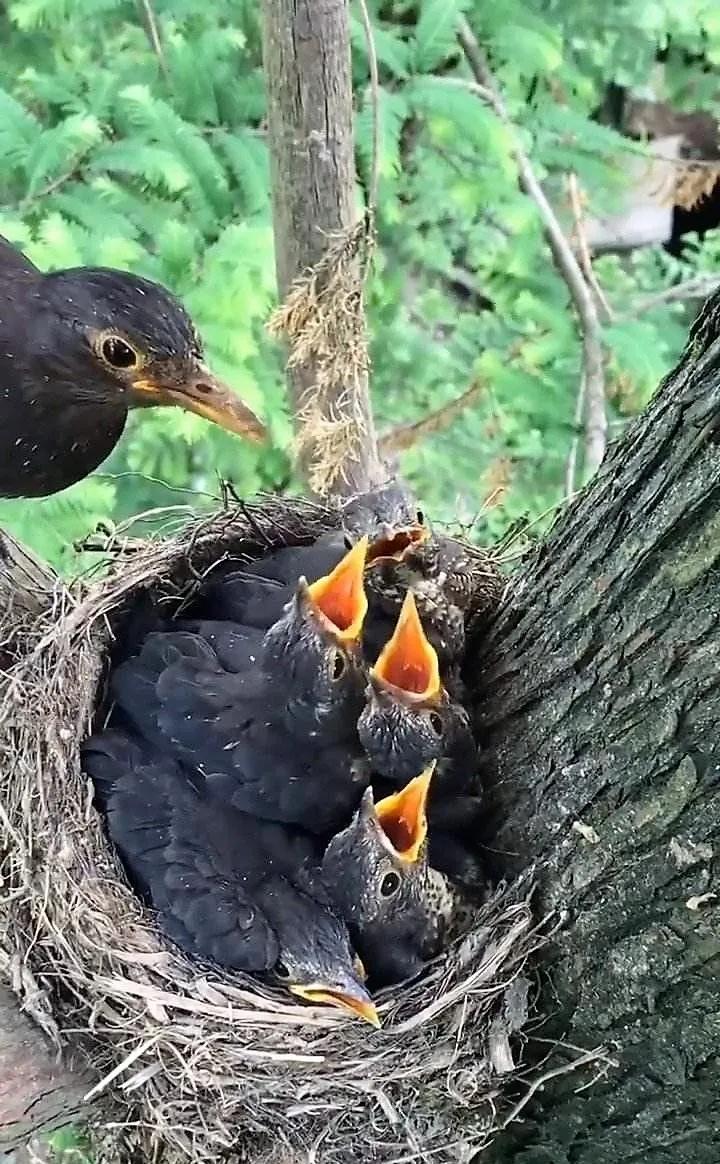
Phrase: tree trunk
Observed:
(37, 1092)
(598, 700)
(310, 115)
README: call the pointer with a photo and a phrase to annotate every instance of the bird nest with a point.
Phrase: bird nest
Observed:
(192, 1062)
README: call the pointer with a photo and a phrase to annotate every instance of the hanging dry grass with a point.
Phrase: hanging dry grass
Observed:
(192, 1062)
(323, 321)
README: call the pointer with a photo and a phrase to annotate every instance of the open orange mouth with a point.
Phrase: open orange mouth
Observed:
(408, 661)
(340, 596)
(403, 816)
(396, 545)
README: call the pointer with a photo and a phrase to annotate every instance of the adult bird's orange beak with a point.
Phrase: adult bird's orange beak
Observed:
(340, 596)
(189, 385)
(353, 999)
(403, 816)
(394, 544)
(408, 661)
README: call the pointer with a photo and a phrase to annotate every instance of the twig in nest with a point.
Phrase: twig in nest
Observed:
(567, 264)
(584, 249)
(693, 184)
(323, 321)
(599, 1055)
(404, 436)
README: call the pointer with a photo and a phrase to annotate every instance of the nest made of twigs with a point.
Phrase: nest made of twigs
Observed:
(192, 1062)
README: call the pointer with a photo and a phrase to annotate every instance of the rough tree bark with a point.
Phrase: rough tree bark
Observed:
(598, 698)
(306, 48)
(37, 1092)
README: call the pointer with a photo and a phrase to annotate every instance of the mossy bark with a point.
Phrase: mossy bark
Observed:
(597, 696)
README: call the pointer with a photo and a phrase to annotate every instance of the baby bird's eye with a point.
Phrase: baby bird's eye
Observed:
(389, 884)
(281, 970)
(420, 517)
(338, 665)
(436, 723)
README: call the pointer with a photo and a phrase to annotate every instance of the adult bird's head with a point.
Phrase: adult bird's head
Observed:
(315, 647)
(317, 962)
(113, 337)
(389, 518)
(405, 722)
(376, 872)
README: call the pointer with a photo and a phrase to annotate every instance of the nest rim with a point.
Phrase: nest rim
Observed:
(190, 1055)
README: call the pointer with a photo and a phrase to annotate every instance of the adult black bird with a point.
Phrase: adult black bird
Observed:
(78, 349)
(399, 926)
(240, 892)
(274, 734)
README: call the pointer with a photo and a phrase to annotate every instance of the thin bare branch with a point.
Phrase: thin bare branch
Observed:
(375, 99)
(571, 466)
(153, 34)
(699, 287)
(599, 1055)
(567, 264)
(464, 83)
(404, 436)
(584, 250)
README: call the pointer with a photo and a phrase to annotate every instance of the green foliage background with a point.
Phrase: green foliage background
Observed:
(114, 154)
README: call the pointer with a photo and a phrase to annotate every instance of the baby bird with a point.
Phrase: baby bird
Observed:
(275, 736)
(243, 893)
(395, 929)
(409, 719)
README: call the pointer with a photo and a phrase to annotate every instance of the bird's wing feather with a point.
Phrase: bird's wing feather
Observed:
(195, 861)
(257, 594)
(238, 647)
(176, 692)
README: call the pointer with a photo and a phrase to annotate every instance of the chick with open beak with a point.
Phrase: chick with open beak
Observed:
(315, 648)
(408, 720)
(377, 874)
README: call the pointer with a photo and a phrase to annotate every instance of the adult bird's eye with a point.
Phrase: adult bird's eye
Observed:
(420, 517)
(281, 970)
(389, 884)
(339, 664)
(117, 353)
(436, 723)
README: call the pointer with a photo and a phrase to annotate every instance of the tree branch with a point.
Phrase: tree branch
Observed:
(567, 264)
(697, 288)
(153, 35)
(584, 250)
(320, 248)
(37, 1092)
(404, 436)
